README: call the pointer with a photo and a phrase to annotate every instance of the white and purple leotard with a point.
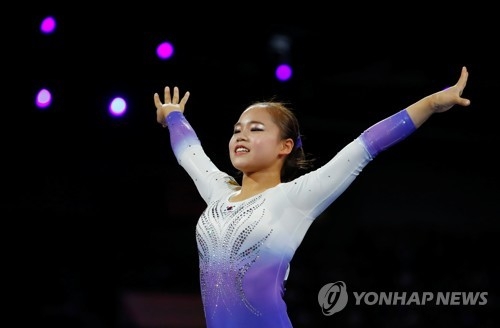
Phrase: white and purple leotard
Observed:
(245, 247)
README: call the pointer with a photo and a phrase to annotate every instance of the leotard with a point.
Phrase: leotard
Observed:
(245, 247)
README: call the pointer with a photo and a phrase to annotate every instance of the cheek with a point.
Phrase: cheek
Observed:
(231, 142)
(265, 144)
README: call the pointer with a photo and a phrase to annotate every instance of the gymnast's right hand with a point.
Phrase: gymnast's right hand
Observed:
(171, 104)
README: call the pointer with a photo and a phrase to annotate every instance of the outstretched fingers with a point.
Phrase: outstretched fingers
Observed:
(462, 81)
(171, 99)
(157, 100)
(167, 97)
(175, 98)
(184, 100)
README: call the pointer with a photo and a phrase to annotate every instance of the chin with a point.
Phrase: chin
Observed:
(239, 166)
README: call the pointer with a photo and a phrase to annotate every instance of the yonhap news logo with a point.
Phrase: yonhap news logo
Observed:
(333, 297)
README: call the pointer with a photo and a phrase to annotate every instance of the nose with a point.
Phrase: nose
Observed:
(241, 137)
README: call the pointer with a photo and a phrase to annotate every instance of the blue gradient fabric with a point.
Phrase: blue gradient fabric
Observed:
(245, 248)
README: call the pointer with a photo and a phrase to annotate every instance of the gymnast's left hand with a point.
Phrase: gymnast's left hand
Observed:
(449, 97)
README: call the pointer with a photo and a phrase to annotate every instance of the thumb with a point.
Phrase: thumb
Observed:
(464, 102)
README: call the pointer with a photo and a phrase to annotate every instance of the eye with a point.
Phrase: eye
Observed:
(256, 129)
(236, 131)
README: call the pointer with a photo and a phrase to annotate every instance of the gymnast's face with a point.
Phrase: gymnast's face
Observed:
(256, 144)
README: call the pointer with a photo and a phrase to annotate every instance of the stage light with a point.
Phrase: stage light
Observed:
(283, 72)
(118, 106)
(48, 25)
(280, 45)
(165, 50)
(43, 98)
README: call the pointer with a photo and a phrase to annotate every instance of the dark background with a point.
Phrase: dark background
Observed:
(101, 210)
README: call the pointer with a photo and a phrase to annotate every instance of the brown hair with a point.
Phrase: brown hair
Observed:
(296, 162)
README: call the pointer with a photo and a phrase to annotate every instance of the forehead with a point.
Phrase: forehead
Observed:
(255, 113)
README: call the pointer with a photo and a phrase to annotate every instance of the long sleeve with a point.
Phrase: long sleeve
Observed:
(312, 193)
(388, 132)
(191, 156)
(182, 134)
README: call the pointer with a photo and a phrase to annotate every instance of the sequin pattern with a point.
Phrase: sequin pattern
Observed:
(224, 260)
(245, 248)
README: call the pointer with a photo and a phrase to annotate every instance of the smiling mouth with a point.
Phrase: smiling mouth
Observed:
(241, 150)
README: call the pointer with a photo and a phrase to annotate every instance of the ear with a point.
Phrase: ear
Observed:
(286, 146)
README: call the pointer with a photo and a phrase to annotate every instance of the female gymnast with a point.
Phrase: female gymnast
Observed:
(249, 231)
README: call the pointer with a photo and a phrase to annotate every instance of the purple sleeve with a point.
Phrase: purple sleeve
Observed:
(182, 134)
(388, 132)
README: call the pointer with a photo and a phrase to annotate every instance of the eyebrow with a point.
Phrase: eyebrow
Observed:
(251, 122)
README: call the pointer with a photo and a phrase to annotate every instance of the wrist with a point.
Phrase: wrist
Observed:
(172, 117)
(436, 103)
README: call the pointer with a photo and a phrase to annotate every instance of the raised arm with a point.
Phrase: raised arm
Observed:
(170, 104)
(186, 145)
(397, 127)
(334, 177)
(440, 101)
(171, 113)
